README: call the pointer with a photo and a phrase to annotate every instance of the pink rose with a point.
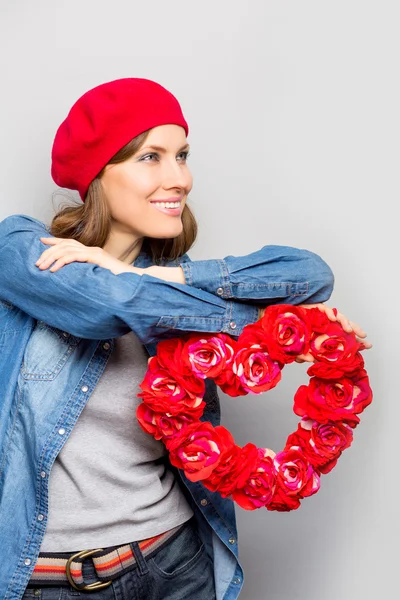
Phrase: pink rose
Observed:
(335, 352)
(287, 332)
(341, 400)
(233, 470)
(295, 479)
(322, 443)
(208, 356)
(255, 369)
(199, 450)
(163, 393)
(163, 425)
(260, 485)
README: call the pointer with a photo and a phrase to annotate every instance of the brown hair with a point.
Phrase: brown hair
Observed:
(90, 222)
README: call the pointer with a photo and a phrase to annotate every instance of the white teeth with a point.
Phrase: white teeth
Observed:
(168, 204)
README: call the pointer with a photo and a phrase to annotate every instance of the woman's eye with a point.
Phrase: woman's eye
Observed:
(153, 156)
(149, 157)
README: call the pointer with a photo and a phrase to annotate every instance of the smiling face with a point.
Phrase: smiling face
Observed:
(147, 192)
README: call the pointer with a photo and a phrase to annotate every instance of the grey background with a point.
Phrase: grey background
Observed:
(294, 115)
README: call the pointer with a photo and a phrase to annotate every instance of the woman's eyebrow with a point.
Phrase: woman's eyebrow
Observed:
(161, 149)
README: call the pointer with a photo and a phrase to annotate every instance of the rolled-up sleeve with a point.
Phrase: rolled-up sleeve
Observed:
(273, 274)
(89, 301)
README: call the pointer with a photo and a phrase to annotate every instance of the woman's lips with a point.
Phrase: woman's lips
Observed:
(173, 212)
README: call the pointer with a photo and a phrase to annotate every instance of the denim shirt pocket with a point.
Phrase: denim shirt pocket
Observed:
(47, 352)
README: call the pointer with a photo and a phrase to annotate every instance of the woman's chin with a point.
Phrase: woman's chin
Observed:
(165, 233)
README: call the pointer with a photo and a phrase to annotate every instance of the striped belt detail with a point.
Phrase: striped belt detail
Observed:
(66, 568)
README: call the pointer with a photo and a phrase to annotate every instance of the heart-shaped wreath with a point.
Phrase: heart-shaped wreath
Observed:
(173, 390)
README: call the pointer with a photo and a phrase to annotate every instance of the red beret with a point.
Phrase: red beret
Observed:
(102, 121)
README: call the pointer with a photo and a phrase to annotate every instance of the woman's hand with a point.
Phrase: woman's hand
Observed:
(65, 251)
(333, 315)
(348, 326)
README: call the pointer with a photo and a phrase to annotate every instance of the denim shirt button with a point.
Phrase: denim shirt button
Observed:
(232, 540)
(42, 474)
(40, 517)
(203, 502)
(232, 325)
(106, 346)
(237, 580)
(61, 431)
(27, 562)
(220, 291)
(84, 388)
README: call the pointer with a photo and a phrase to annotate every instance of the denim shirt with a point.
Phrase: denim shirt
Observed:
(57, 333)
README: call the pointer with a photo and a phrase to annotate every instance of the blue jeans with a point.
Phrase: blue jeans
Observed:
(181, 570)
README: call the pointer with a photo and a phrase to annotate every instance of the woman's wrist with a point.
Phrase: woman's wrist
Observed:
(173, 274)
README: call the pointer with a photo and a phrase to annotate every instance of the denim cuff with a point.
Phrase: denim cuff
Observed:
(238, 315)
(208, 275)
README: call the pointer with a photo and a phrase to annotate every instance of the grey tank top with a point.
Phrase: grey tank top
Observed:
(109, 485)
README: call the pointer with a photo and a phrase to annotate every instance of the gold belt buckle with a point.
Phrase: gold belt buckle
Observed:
(97, 585)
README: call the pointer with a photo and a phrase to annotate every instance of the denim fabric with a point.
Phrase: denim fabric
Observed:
(96, 304)
(56, 336)
(181, 570)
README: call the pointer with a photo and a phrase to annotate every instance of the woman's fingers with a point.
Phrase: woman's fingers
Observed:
(59, 248)
(53, 240)
(48, 258)
(330, 312)
(364, 344)
(357, 330)
(344, 321)
(348, 326)
(301, 358)
(66, 260)
(65, 251)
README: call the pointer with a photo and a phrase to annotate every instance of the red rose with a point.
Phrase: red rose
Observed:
(282, 502)
(233, 470)
(207, 356)
(294, 474)
(260, 485)
(230, 384)
(163, 393)
(317, 320)
(198, 452)
(163, 425)
(169, 356)
(335, 347)
(339, 400)
(287, 332)
(322, 443)
(254, 369)
(334, 371)
(253, 334)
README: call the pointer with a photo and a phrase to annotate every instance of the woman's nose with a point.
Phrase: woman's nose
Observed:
(175, 175)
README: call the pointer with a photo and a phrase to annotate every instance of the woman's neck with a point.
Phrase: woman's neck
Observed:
(123, 246)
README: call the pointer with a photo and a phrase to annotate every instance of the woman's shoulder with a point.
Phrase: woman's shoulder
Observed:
(177, 261)
(19, 222)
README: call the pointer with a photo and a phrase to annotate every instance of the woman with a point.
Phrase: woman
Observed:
(82, 305)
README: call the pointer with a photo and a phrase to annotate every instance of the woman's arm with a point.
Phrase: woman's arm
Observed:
(270, 275)
(91, 302)
(65, 251)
